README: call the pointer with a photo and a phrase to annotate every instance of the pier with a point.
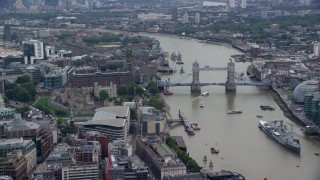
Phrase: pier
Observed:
(187, 126)
(182, 119)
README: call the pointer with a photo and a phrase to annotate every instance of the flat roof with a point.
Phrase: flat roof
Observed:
(162, 149)
(107, 122)
(121, 111)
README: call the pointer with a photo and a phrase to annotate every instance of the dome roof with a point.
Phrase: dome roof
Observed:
(306, 87)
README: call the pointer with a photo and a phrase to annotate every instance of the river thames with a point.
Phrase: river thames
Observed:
(244, 148)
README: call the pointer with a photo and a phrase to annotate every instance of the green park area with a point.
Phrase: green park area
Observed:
(43, 104)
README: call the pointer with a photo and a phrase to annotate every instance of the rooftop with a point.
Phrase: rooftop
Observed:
(20, 125)
(107, 122)
(163, 150)
(119, 111)
(13, 142)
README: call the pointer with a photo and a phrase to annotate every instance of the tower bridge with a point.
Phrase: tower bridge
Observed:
(230, 84)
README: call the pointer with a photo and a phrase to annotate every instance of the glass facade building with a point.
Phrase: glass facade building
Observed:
(306, 87)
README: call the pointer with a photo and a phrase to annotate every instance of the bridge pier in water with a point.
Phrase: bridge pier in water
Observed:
(195, 85)
(230, 84)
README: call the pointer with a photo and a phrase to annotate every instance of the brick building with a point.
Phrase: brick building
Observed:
(103, 79)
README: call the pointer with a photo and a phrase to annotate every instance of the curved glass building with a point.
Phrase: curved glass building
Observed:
(304, 88)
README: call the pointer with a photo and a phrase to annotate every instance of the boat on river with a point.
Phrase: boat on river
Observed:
(278, 132)
(201, 104)
(239, 111)
(205, 158)
(267, 107)
(214, 151)
(166, 92)
(195, 126)
(205, 94)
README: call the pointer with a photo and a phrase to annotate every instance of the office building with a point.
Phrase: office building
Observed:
(14, 165)
(124, 167)
(27, 149)
(120, 148)
(151, 120)
(29, 130)
(48, 172)
(89, 170)
(60, 157)
(32, 50)
(112, 122)
(161, 159)
(103, 79)
(57, 78)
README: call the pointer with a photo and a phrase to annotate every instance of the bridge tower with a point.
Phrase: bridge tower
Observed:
(230, 84)
(195, 85)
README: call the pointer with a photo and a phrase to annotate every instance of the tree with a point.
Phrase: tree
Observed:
(103, 68)
(103, 95)
(61, 113)
(59, 121)
(23, 79)
(133, 114)
(122, 91)
(139, 90)
(23, 110)
(69, 130)
(153, 87)
(156, 102)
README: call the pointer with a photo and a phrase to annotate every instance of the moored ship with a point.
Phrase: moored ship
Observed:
(280, 134)
(239, 111)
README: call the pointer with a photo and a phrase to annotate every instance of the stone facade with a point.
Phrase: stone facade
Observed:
(112, 89)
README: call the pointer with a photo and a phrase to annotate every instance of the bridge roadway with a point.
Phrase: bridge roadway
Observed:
(220, 84)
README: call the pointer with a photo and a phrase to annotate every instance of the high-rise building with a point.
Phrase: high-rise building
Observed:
(32, 50)
(197, 18)
(232, 3)
(7, 33)
(316, 49)
(200, 4)
(243, 4)
(185, 18)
